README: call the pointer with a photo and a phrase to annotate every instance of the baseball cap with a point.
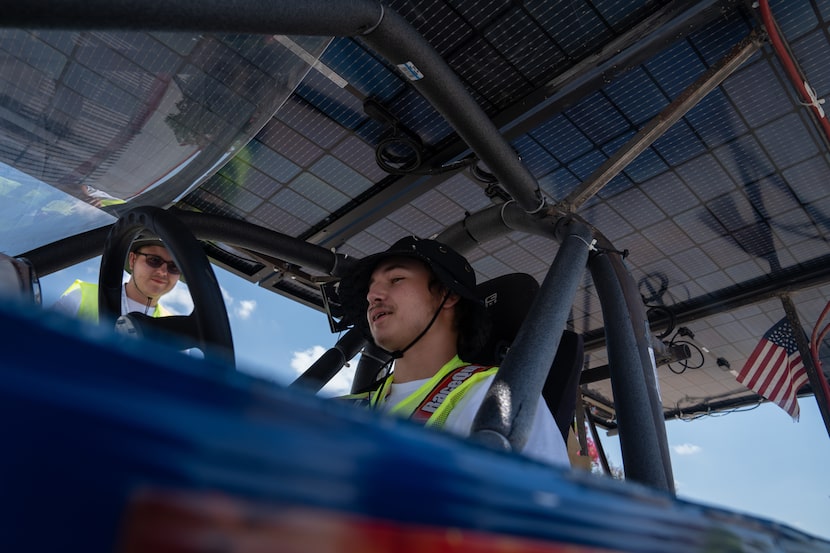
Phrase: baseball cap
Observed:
(144, 240)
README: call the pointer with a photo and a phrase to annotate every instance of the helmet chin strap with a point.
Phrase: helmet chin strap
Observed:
(397, 354)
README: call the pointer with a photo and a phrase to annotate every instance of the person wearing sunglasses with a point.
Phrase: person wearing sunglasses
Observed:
(153, 273)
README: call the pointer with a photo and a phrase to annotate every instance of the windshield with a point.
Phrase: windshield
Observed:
(96, 122)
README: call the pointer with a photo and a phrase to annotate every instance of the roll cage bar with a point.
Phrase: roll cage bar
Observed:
(641, 426)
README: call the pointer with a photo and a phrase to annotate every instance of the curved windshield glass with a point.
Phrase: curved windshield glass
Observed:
(95, 122)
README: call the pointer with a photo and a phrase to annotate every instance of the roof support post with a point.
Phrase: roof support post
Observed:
(504, 419)
(633, 376)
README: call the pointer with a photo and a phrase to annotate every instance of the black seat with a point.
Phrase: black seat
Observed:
(508, 299)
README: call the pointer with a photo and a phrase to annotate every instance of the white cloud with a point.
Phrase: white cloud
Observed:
(226, 296)
(687, 449)
(301, 360)
(245, 309)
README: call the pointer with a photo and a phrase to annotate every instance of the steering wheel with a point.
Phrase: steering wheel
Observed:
(209, 321)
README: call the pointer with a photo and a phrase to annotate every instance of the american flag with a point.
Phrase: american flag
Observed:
(774, 370)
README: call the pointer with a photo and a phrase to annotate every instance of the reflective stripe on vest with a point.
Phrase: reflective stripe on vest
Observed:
(443, 392)
(88, 308)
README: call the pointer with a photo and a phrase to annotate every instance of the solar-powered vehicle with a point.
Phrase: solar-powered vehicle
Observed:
(641, 188)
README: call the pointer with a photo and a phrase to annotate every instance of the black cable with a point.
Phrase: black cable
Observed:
(719, 413)
(389, 157)
(399, 154)
(685, 363)
(669, 315)
(480, 174)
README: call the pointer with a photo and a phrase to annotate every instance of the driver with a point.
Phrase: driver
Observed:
(152, 274)
(418, 301)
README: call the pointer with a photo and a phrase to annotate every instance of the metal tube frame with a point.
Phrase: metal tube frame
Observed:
(506, 414)
(395, 39)
(642, 438)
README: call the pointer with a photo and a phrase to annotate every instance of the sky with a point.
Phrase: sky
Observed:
(757, 462)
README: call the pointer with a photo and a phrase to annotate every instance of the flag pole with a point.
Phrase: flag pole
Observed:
(816, 379)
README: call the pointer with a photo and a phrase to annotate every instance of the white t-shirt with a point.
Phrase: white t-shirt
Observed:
(544, 442)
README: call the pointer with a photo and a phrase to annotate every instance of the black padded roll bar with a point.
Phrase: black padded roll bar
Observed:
(331, 362)
(507, 412)
(391, 36)
(269, 242)
(637, 402)
(641, 440)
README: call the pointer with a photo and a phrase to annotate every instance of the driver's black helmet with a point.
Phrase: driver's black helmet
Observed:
(448, 266)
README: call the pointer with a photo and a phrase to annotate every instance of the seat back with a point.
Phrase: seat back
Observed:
(508, 299)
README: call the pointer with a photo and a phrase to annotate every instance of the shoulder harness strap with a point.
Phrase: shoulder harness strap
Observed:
(442, 389)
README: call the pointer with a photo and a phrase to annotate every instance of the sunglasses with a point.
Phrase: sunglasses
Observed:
(155, 262)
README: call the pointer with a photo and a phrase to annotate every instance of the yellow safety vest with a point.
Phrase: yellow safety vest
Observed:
(433, 401)
(88, 310)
